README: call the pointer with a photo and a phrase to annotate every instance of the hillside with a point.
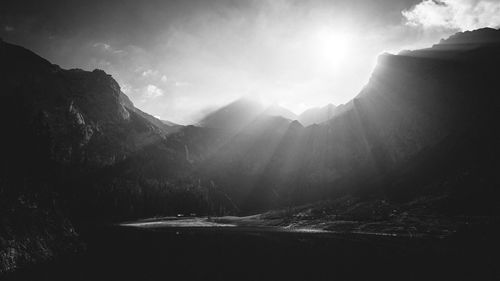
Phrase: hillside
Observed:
(62, 129)
(419, 108)
(418, 141)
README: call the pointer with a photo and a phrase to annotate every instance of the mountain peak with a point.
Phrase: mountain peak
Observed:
(234, 115)
(241, 112)
(317, 115)
(483, 36)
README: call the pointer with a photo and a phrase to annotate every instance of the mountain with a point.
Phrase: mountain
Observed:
(414, 102)
(87, 117)
(427, 120)
(421, 109)
(317, 115)
(233, 116)
(471, 39)
(240, 113)
(76, 151)
(165, 127)
(68, 135)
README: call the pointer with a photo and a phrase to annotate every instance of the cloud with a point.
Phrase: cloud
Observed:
(153, 92)
(454, 14)
(8, 28)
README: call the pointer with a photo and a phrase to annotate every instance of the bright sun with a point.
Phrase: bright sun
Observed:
(328, 52)
(331, 46)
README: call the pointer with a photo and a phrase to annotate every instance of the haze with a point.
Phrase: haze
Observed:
(178, 60)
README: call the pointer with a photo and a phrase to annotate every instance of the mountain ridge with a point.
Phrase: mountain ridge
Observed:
(78, 152)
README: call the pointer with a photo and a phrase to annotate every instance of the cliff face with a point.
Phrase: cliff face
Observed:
(417, 99)
(57, 124)
(83, 113)
(75, 148)
(417, 104)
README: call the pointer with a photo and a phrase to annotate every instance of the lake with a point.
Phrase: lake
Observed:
(195, 249)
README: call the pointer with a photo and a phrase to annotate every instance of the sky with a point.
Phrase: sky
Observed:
(179, 60)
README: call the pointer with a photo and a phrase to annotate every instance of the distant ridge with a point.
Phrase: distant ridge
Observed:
(483, 36)
(419, 142)
(317, 115)
(241, 112)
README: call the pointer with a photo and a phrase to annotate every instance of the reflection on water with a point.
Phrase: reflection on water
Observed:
(188, 222)
(158, 249)
(205, 223)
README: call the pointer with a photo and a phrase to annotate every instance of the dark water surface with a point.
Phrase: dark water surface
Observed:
(253, 253)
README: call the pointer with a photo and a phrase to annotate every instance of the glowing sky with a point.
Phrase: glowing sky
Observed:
(180, 59)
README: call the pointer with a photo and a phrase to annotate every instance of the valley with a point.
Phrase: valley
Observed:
(405, 175)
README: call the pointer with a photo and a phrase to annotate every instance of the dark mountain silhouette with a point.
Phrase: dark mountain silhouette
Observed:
(76, 151)
(64, 131)
(470, 39)
(88, 117)
(414, 103)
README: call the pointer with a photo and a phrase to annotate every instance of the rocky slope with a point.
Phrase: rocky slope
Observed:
(87, 116)
(421, 124)
(76, 151)
(59, 126)
(419, 108)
